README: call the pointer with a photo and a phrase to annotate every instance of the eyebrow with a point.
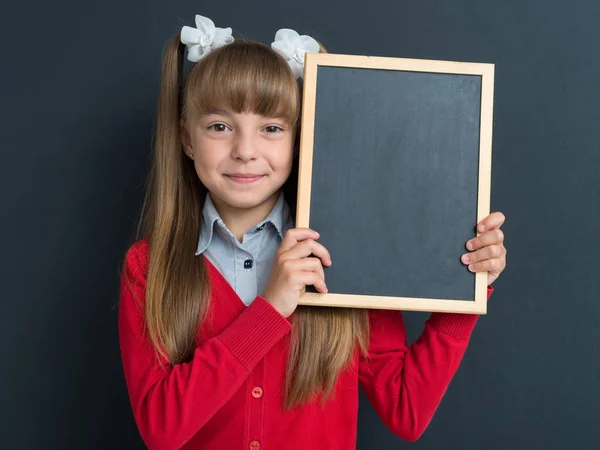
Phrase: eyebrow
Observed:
(228, 113)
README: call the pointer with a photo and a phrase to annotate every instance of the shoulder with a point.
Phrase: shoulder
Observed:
(386, 324)
(136, 257)
(138, 249)
(133, 284)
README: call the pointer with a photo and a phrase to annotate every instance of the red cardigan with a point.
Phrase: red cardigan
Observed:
(229, 396)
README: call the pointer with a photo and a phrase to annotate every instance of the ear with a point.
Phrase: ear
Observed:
(185, 137)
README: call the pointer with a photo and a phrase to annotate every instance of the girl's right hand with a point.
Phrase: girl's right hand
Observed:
(293, 269)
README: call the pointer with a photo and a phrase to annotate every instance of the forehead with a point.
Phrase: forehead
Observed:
(252, 94)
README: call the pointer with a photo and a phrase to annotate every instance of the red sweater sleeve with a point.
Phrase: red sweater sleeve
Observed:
(171, 403)
(406, 384)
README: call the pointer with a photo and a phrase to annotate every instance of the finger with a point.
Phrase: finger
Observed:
(492, 237)
(295, 235)
(310, 279)
(489, 252)
(490, 265)
(307, 248)
(315, 265)
(310, 264)
(493, 220)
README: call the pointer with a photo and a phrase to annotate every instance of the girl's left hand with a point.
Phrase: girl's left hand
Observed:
(488, 251)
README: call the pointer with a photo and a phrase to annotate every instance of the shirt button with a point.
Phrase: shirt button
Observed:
(254, 445)
(257, 392)
(261, 227)
(248, 264)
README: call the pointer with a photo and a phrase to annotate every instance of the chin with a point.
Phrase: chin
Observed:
(247, 199)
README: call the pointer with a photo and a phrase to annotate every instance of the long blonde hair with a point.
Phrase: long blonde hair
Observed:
(244, 76)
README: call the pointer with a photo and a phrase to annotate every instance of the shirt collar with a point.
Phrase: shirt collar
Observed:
(279, 217)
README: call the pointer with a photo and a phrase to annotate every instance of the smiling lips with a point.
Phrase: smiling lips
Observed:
(244, 178)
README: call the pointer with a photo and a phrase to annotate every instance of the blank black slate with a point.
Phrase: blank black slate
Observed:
(394, 180)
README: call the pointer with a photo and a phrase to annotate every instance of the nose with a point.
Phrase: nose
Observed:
(244, 147)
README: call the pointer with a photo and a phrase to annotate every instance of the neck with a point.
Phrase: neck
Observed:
(240, 220)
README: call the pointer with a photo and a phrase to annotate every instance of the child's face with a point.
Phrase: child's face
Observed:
(242, 159)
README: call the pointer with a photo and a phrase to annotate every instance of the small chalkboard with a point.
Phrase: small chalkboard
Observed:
(395, 171)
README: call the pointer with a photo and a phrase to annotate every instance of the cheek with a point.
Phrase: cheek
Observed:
(207, 168)
(207, 163)
(207, 159)
(210, 153)
(282, 157)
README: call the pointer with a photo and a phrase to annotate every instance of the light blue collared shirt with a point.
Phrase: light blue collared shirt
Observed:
(247, 265)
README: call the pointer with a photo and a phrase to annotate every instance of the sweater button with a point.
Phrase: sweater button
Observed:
(254, 445)
(257, 392)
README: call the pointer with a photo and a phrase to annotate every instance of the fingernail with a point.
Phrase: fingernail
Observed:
(482, 227)
(470, 245)
(465, 258)
(471, 267)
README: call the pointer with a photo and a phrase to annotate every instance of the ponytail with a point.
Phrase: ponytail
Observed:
(177, 284)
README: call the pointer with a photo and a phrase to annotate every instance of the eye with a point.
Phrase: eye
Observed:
(273, 129)
(219, 127)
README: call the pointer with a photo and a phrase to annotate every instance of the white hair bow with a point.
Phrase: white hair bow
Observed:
(204, 38)
(292, 47)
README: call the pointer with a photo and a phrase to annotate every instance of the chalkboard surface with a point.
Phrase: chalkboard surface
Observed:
(395, 188)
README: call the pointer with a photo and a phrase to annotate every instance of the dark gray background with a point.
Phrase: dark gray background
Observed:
(78, 91)
(395, 180)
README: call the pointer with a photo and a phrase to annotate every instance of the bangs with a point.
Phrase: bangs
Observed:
(245, 77)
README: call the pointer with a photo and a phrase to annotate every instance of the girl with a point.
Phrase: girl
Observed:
(217, 354)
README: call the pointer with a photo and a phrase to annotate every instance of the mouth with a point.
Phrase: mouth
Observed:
(243, 178)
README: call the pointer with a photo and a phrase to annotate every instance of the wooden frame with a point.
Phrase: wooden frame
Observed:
(486, 71)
